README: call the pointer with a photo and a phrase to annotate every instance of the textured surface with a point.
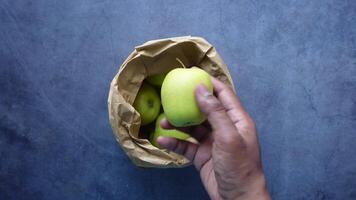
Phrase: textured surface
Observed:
(293, 62)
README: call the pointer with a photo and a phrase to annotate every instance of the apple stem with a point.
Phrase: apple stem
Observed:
(180, 62)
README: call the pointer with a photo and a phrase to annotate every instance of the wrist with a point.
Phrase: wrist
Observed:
(257, 190)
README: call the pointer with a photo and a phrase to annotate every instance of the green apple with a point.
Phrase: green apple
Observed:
(178, 95)
(159, 131)
(147, 103)
(156, 79)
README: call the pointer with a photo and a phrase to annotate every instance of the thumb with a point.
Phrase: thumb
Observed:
(212, 108)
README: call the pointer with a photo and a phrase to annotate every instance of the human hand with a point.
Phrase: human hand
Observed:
(228, 154)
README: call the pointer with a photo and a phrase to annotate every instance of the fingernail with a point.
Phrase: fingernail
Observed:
(164, 142)
(160, 139)
(203, 91)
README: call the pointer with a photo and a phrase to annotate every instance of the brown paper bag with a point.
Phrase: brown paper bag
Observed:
(154, 57)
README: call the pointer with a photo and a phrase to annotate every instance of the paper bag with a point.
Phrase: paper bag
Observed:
(155, 57)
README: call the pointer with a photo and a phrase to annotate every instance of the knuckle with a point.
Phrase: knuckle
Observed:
(229, 90)
(173, 146)
(250, 125)
(180, 147)
(215, 105)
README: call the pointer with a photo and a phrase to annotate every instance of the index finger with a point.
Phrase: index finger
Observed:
(230, 101)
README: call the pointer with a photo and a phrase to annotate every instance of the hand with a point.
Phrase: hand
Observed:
(228, 154)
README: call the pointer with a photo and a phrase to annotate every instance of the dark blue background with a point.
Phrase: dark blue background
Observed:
(293, 62)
